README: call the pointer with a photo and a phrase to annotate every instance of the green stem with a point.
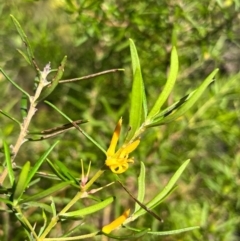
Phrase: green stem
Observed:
(70, 204)
(94, 178)
(25, 221)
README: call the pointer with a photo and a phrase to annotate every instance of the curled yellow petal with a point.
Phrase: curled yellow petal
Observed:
(118, 161)
(125, 150)
(116, 223)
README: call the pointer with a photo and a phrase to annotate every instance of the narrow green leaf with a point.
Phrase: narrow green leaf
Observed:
(91, 209)
(24, 39)
(6, 201)
(188, 104)
(65, 171)
(47, 192)
(39, 162)
(43, 206)
(9, 163)
(50, 88)
(135, 114)
(11, 118)
(165, 190)
(135, 235)
(168, 86)
(45, 222)
(77, 127)
(166, 112)
(141, 187)
(21, 183)
(56, 171)
(16, 85)
(24, 56)
(176, 231)
(71, 232)
(53, 207)
(174, 106)
(136, 65)
(170, 184)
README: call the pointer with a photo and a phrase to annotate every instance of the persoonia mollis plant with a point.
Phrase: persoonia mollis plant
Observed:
(118, 160)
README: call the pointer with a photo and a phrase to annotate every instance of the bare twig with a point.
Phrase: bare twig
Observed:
(90, 76)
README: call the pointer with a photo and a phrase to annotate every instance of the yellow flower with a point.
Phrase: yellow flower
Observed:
(118, 161)
(116, 223)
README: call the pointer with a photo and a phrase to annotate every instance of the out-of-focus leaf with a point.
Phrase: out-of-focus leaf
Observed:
(6, 201)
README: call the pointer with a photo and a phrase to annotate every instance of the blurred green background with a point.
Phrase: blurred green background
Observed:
(94, 35)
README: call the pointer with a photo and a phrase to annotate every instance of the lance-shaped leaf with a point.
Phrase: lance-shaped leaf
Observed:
(16, 85)
(21, 183)
(46, 192)
(9, 163)
(53, 207)
(187, 104)
(66, 172)
(167, 189)
(50, 88)
(138, 109)
(88, 210)
(43, 206)
(173, 107)
(133, 236)
(171, 232)
(39, 163)
(30, 56)
(6, 201)
(57, 171)
(77, 127)
(141, 187)
(168, 86)
(136, 65)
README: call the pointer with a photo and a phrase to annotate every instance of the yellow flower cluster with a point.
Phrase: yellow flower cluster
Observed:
(118, 161)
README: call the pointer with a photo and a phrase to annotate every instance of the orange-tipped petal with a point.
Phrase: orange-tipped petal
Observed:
(115, 137)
